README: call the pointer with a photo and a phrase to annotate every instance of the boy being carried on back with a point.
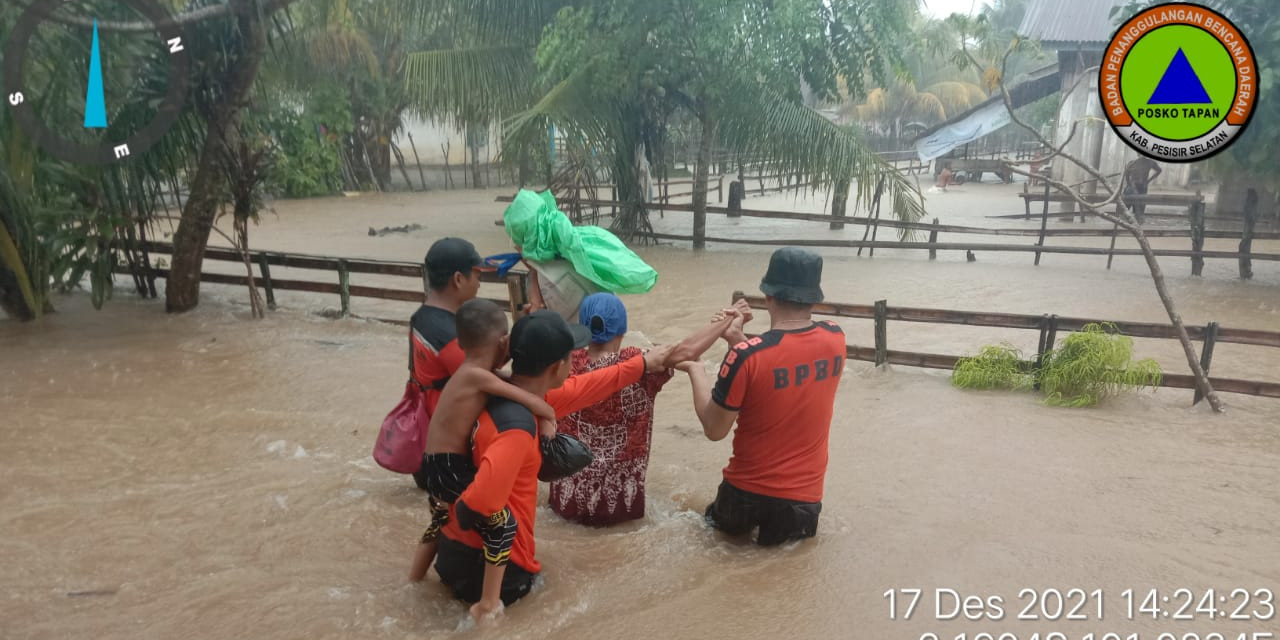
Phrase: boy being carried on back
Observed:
(449, 469)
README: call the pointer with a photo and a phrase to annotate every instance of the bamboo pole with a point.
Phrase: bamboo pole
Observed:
(1044, 221)
(933, 239)
(1115, 229)
(421, 176)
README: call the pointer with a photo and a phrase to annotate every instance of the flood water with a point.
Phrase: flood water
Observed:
(209, 476)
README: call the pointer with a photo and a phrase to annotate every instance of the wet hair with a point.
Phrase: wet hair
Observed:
(479, 323)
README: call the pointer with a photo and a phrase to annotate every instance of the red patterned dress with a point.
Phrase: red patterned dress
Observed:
(618, 431)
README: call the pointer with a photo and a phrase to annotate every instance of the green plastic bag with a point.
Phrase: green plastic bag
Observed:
(544, 233)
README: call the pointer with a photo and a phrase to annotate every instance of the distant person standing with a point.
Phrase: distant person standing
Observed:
(944, 177)
(453, 277)
(1138, 177)
(780, 388)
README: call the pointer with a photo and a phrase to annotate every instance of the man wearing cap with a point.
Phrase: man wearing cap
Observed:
(453, 277)
(507, 454)
(780, 388)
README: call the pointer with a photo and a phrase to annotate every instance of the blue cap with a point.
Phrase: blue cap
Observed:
(605, 315)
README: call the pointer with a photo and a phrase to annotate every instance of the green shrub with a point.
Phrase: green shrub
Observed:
(1094, 363)
(995, 367)
(307, 132)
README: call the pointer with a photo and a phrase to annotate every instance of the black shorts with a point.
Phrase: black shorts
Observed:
(461, 568)
(446, 475)
(737, 512)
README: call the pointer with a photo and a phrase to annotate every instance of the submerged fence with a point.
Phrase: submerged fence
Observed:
(1196, 232)
(1048, 326)
(339, 282)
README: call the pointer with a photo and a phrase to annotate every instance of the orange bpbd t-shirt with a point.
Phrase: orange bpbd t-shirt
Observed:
(507, 456)
(783, 384)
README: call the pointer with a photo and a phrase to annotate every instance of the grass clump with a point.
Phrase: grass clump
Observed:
(1092, 364)
(995, 367)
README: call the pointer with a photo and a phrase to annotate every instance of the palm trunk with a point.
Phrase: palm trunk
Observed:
(11, 299)
(182, 291)
(839, 203)
(1202, 379)
(700, 172)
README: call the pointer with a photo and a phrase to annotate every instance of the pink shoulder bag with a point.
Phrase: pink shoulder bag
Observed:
(402, 439)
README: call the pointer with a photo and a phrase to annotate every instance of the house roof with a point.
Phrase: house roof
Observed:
(1058, 24)
(1038, 84)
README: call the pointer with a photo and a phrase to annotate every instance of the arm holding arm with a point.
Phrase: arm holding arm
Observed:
(582, 391)
(692, 347)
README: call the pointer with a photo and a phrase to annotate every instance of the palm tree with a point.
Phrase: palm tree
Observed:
(362, 47)
(610, 71)
(888, 111)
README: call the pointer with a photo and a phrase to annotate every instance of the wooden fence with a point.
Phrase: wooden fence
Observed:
(1196, 254)
(1048, 326)
(339, 283)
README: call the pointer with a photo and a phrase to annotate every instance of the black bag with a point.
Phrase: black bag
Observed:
(563, 456)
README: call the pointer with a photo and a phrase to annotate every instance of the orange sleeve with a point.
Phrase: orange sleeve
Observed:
(451, 357)
(731, 381)
(490, 491)
(582, 391)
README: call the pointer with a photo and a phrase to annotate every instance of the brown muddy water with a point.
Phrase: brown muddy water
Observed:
(207, 476)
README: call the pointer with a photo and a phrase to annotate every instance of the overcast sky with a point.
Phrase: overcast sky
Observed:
(944, 8)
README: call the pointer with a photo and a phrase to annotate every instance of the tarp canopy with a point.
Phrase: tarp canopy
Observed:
(988, 117)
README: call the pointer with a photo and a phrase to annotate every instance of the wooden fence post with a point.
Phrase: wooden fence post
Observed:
(1040, 350)
(613, 197)
(720, 188)
(882, 333)
(933, 239)
(1246, 235)
(736, 190)
(1206, 354)
(1197, 237)
(1044, 221)
(344, 286)
(517, 294)
(265, 270)
(1114, 230)
(1048, 338)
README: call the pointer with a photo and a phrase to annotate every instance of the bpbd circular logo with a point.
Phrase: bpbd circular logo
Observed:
(1178, 82)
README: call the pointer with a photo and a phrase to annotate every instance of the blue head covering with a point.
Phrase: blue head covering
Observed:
(605, 315)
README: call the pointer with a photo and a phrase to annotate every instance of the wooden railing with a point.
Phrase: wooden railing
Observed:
(1048, 326)
(1196, 253)
(340, 284)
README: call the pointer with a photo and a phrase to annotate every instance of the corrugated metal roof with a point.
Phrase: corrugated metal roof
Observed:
(1075, 22)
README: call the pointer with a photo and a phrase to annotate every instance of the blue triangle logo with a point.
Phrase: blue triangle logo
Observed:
(95, 104)
(1180, 84)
